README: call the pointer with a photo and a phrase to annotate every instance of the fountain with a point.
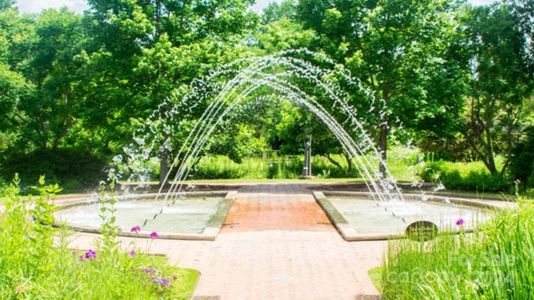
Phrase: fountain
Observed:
(294, 75)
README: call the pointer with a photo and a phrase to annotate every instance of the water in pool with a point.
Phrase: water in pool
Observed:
(190, 215)
(366, 217)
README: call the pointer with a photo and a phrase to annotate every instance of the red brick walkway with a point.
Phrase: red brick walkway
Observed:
(275, 207)
(268, 251)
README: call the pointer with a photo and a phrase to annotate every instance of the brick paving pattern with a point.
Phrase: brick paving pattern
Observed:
(275, 207)
(276, 244)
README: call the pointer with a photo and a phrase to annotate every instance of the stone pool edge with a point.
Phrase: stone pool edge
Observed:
(350, 234)
(209, 233)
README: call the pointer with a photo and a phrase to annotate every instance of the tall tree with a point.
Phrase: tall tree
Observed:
(398, 49)
(139, 48)
(16, 36)
(53, 110)
(501, 81)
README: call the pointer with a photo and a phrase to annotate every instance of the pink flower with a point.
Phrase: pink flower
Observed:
(154, 235)
(460, 222)
(132, 253)
(135, 229)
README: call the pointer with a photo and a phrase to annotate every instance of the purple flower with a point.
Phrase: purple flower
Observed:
(460, 222)
(82, 257)
(154, 235)
(135, 229)
(163, 281)
(150, 271)
(90, 254)
(132, 253)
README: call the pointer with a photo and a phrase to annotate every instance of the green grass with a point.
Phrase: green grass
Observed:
(37, 263)
(488, 195)
(188, 279)
(376, 277)
(264, 180)
(467, 176)
(495, 262)
(402, 162)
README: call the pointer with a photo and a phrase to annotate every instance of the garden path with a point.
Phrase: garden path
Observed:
(276, 243)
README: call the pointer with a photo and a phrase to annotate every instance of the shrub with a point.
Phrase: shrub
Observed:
(33, 266)
(463, 176)
(72, 168)
(277, 167)
(495, 262)
(220, 166)
(522, 163)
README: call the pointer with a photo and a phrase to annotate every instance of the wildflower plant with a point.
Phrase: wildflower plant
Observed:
(107, 202)
(36, 261)
(25, 237)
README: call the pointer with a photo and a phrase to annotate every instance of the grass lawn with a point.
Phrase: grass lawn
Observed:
(475, 195)
(259, 181)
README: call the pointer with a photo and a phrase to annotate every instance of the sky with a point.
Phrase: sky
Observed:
(35, 6)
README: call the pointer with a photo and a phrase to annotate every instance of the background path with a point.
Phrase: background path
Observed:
(276, 243)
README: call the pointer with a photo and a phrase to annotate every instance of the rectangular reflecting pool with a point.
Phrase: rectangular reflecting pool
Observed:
(190, 216)
(367, 216)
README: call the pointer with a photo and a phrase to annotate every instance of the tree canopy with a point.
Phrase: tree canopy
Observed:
(454, 79)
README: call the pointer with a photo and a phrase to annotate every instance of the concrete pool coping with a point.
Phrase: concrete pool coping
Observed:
(208, 234)
(351, 234)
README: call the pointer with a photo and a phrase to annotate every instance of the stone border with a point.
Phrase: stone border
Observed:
(208, 234)
(350, 234)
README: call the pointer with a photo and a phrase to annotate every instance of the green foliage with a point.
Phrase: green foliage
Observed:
(74, 168)
(436, 67)
(32, 266)
(237, 142)
(464, 176)
(405, 52)
(283, 34)
(275, 167)
(275, 11)
(501, 81)
(495, 262)
(13, 87)
(49, 114)
(522, 154)
(5, 4)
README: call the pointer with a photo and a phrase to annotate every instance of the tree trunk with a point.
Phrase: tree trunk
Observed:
(382, 148)
(333, 161)
(163, 164)
(349, 161)
(489, 151)
(383, 137)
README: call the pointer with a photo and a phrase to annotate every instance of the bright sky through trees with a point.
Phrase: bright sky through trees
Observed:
(32, 6)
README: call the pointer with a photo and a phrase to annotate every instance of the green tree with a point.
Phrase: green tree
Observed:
(53, 110)
(146, 50)
(283, 34)
(5, 4)
(399, 49)
(275, 11)
(501, 82)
